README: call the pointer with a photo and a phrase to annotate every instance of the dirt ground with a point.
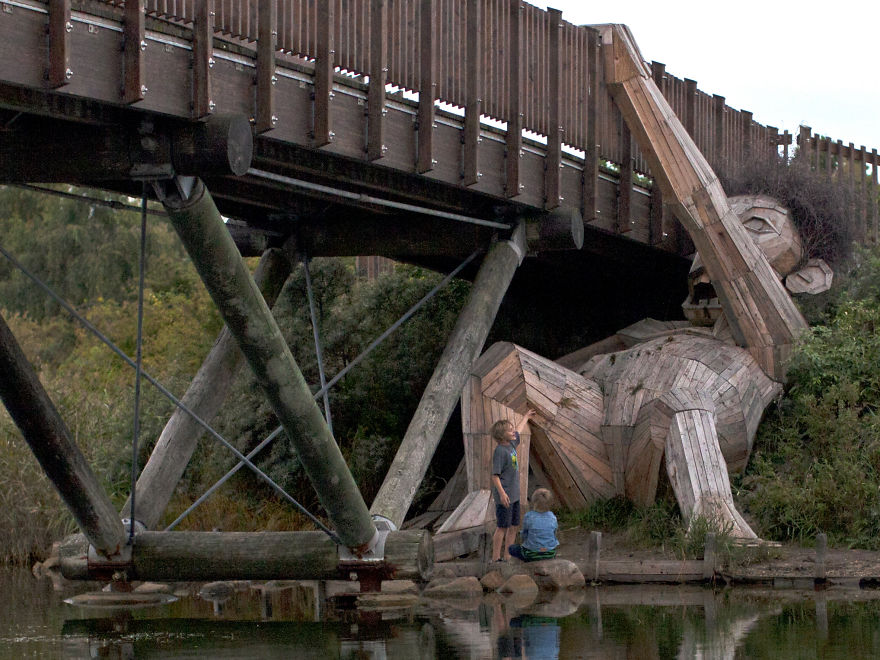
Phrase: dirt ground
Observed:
(749, 564)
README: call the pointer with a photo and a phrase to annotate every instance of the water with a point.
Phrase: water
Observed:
(604, 622)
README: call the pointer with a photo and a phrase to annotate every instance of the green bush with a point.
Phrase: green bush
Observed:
(816, 467)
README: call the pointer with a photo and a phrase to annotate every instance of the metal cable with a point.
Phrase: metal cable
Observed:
(412, 310)
(109, 203)
(142, 267)
(256, 450)
(91, 328)
(317, 336)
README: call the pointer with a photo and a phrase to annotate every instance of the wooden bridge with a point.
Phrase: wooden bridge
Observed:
(420, 130)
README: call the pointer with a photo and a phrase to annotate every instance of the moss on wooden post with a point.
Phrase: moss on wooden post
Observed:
(203, 233)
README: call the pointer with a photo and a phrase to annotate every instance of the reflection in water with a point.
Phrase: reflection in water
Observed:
(290, 620)
(527, 636)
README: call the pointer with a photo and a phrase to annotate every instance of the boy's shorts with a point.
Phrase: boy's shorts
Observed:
(507, 516)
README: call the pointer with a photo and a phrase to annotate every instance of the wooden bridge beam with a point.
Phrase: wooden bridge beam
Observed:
(203, 233)
(45, 432)
(203, 556)
(90, 154)
(205, 395)
(350, 232)
(444, 389)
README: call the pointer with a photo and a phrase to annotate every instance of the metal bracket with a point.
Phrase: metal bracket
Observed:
(382, 523)
(122, 559)
(177, 186)
(375, 554)
(517, 241)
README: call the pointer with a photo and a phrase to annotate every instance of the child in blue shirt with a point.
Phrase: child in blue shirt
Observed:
(538, 530)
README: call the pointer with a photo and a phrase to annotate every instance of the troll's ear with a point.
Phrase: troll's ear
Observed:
(814, 277)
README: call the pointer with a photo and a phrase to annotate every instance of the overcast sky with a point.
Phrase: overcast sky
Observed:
(789, 63)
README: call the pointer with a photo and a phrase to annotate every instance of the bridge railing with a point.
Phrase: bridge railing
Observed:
(529, 62)
(514, 63)
(853, 166)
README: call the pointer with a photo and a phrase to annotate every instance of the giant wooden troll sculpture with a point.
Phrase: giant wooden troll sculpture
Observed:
(688, 395)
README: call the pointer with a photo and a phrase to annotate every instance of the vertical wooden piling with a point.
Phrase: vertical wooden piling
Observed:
(821, 555)
(45, 432)
(709, 557)
(203, 233)
(594, 551)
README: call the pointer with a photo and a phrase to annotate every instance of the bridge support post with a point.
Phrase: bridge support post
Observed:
(210, 246)
(45, 432)
(205, 395)
(444, 389)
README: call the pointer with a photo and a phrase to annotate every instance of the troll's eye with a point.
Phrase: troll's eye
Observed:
(758, 225)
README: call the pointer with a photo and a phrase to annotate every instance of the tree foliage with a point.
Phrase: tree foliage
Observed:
(817, 463)
(88, 254)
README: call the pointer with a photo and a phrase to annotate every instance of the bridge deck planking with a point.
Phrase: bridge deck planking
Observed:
(96, 62)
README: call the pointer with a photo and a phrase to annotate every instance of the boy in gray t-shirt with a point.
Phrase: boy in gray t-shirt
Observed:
(505, 484)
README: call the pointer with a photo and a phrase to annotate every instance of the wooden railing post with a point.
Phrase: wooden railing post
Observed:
(720, 131)
(839, 151)
(59, 73)
(203, 46)
(771, 144)
(474, 103)
(591, 153)
(746, 152)
(515, 120)
(378, 77)
(427, 87)
(323, 87)
(690, 107)
(625, 181)
(659, 220)
(134, 86)
(553, 156)
(267, 44)
(806, 145)
(863, 193)
(875, 203)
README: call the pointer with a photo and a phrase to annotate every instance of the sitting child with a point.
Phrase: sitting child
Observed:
(538, 530)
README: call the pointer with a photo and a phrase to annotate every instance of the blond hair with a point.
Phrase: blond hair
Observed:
(499, 429)
(542, 500)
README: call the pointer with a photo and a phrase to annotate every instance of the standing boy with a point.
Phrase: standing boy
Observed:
(505, 484)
